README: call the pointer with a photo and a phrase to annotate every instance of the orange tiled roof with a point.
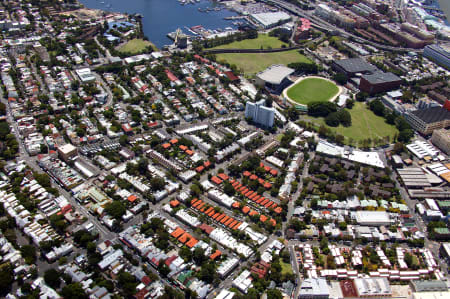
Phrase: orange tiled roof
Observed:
(191, 243)
(177, 232)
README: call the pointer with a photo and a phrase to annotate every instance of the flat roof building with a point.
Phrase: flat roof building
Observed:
(429, 286)
(372, 287)
(314, 288)
(353, 66)
(379, 81)
(85, 75)
(270, 19)
(67, 151)
(372, 218)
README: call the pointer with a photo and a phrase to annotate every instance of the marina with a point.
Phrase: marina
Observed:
(160, 17)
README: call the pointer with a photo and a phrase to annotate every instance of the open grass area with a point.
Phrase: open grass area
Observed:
(311, 90)
(285, 268)
(365, 124)
(252, 63)
(263, 40)
(135, 46)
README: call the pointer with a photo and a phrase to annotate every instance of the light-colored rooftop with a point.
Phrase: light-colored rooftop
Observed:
(275, 74)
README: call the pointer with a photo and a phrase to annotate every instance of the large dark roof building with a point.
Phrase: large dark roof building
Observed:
(379, 82)
(372, 79)
(353, 66)
(427, 120)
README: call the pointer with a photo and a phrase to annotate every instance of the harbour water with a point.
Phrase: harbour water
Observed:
(163, 16)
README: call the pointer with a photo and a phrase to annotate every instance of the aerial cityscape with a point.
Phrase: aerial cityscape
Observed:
(225, 149)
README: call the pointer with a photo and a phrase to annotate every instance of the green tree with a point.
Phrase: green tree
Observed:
(73, 291)
(157, 183)
(116, 209)
(28, 253)
(199, 255)
(52, 278)
(377, 107)
(274, 294)
(6, 278)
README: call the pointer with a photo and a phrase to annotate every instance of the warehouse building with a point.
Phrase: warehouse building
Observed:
(374, 287)
(353, 66)
(372, 218)
(314, 288)
(268, 20)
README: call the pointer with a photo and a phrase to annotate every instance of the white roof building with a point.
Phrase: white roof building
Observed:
(270, 19)
(373, 218)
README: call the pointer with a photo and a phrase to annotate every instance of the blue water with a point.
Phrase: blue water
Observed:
(163, 16)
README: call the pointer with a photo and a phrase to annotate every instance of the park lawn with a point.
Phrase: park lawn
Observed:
(312, 90)
(263, 40)
(135, 46)
(365, 124)
(286, 268)
(252, 63)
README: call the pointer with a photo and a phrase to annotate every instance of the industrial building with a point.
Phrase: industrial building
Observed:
(372, 218)
(314, 288)
(374, 287)
(425, 121)
(372, 80)
(353, 66)
(439, 54)
(260, 114)
(268, 20)
(274, 78)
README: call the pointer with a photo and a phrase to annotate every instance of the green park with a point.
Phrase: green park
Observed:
(312, 90)
(365, 124)
(252, 63)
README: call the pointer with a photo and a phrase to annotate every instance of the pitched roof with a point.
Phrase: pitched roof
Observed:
(432, 115)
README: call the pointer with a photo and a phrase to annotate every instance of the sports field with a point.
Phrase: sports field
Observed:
(365, 124)
(134, 46)
(252, 63)
(312, 90)
(263, 40)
